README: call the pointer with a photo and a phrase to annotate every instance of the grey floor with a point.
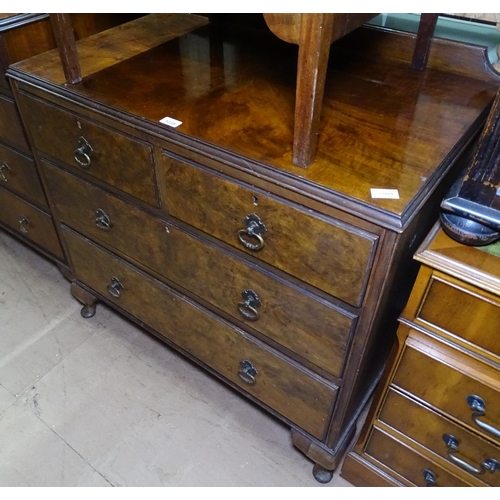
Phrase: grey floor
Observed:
(100, 402)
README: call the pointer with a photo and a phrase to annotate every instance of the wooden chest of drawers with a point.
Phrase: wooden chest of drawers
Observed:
(24, 210)
(285, 283)
(441, 400)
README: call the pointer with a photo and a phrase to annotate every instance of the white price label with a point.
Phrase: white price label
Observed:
(389, 194)
(171, 122)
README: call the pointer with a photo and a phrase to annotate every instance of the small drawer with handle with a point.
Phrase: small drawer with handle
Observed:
(472, 390)
(18, 173)
(11, 129)
(467, 452)
(87, 146)
(29, 222)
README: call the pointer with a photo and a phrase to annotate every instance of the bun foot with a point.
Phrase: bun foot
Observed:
(322, 475)
(88, 311)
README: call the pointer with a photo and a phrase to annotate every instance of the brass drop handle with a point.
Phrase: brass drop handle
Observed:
(23, 222)
(478, 407)
(83, 152)
(102, 221)
(115, 287)
(429, 477)
(248, 308)
(247, 372)
(255, 228)
(489, 464)
(4, 168)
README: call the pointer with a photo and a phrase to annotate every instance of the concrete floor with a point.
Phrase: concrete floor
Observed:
(99, 402)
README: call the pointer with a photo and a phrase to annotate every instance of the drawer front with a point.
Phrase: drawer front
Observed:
(29, 222)
(462, 313)
(407, 462)
(428, 428)
(18, 173)
(451, 389)
(11, 130)
(107, 155)
(331, 256)
(311, 328)
(284, 387)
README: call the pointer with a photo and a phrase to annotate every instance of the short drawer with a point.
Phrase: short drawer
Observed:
(107, 155)
(278, 383)
(18, 173)
(327, 254)
(407, 462)
(30, 222)
(11, 130)
(467, 452)
(308, 326)
(464, 312)
(453, 383)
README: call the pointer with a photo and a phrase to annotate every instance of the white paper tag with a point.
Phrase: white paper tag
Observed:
(171, 122)
(390, 194)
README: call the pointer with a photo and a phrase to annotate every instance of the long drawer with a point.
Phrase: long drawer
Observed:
(30, 222)
(472, 392)
(278, 383)
(312, 328)
(18, 174)
(328, 254)
(466, 452)
(105, 154)
(407, 462)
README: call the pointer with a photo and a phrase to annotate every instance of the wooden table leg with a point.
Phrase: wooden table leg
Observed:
(66, 44)
(314, 49)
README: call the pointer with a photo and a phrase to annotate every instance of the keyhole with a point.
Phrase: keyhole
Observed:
(255, 200)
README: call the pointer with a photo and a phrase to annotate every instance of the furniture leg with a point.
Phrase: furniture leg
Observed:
(86, 298)
(314, 49)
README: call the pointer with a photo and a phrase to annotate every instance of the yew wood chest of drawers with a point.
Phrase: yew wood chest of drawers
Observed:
(286, 283)
(436, 421)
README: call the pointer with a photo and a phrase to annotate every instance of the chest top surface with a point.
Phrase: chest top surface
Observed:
(383, 125)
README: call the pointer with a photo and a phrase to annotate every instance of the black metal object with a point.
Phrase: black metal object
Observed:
(471, 210)
(248, 308)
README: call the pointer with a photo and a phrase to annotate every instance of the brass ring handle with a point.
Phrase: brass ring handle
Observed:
(83, 152)
(429, 477)
(3, 169)
(255, 228)
(23, 221)
(247, 372)
(102, 221)
(489, 464)
(478, 407)
(248, 308)
(115, 287)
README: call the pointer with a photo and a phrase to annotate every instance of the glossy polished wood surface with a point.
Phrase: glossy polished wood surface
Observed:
(407, 462)
(37, 226)
(427, 427)
(11, 130)
(109, 156)
(423, 368)
(238, 92)
(329, 255)
(306, 401)
(309, 327)
(18, 173)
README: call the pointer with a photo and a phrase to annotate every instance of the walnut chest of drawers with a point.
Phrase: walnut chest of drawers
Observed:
(436, 421)
(24, 210)
(286, 283)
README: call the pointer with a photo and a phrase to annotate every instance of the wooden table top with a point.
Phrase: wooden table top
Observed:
(383, 124)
